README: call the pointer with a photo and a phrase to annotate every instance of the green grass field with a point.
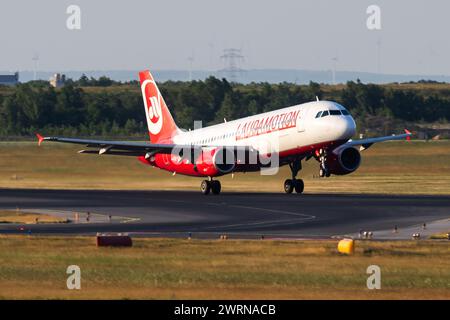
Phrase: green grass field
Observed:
(35, 267)
(415, 167)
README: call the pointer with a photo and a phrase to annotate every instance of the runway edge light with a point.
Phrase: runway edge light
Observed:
(346, 246)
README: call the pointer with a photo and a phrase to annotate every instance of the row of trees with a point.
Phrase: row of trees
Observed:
(410, 105)
(73, 110)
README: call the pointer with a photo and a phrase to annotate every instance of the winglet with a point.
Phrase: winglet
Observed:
(40, 138)
(409, 134)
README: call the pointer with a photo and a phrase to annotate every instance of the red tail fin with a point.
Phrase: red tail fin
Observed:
(410, 134)
(40, 138)
(161, 126)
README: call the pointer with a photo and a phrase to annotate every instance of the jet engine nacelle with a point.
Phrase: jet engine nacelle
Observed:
(215, 162)
(343, 161)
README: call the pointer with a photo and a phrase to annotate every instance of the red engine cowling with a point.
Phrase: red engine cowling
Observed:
(215, 162)
(343, 161)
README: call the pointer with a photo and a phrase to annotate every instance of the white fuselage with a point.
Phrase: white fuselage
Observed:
(281, 130)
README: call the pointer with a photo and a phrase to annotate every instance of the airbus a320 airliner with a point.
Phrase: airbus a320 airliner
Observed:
(319, 130)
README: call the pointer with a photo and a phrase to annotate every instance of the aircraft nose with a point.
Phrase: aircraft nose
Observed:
(344, 128)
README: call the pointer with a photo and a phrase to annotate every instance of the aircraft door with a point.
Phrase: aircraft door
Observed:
(301, 120)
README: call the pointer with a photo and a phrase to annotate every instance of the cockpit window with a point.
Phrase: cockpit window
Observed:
(335, 112)
(338, 112)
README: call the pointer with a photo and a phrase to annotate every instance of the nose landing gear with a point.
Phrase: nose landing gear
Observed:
(323, 170)
(210, 185)
(294, 184)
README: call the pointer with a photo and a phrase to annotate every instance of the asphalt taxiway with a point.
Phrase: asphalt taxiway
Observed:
(178, 213)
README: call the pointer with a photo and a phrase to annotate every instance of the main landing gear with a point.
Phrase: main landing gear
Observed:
(210, 185)
(294, 184)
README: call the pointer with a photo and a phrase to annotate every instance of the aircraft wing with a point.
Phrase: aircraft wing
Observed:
(118, 147)
(130, 148)
(366, 143)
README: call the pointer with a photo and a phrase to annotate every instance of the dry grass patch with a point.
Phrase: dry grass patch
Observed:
(416, 167)
(21, 217)
(34, 267)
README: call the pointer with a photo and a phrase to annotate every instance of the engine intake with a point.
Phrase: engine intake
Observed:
(224, 160)
(344, 161)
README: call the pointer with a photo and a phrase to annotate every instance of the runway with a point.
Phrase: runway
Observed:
(178, 213)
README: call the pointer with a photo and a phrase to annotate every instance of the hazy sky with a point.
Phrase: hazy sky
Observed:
(136, 34)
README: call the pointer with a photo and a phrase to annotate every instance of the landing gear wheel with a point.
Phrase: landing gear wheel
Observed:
(205, 187)
(299, 186)
(215, 186)
(321, 173)
(288, 186)
(323, 170)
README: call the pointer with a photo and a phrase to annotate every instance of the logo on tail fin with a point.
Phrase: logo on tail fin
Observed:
(152, 102)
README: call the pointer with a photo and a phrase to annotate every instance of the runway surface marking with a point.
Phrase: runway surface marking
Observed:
(277, 222)
(95, 217)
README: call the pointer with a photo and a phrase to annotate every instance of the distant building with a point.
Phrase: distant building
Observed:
(9, 79)
(58, 80)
